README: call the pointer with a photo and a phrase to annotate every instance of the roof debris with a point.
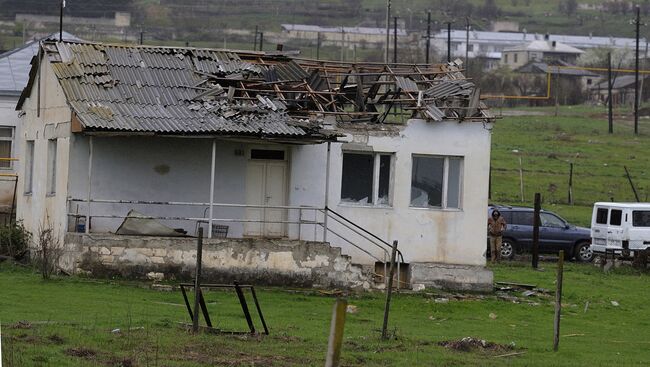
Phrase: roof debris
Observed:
(199, 91)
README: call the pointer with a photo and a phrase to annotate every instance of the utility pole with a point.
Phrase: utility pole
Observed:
(261, 41)
(466, 44)
(318, 46)
(387, 31)
(448, 41)
(394, 40)
(428, 36)
(255, 39)
(342, 43)
(636, 74)
(61, 21)
(610, 114)
(141, 37)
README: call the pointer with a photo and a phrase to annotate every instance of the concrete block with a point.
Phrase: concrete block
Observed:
(104, 251)
(157, 260)
(452, 277)
(106, 259)
(117, 251)
(161, 252)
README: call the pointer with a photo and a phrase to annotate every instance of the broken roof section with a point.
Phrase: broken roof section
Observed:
(166, 90)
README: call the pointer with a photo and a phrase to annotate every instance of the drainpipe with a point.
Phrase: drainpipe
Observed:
(327, 189)
(214, 156)
(90, 176)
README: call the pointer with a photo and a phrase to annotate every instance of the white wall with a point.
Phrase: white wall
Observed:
(8, 117)
(38, 209)
(425, 235)
(157, 169)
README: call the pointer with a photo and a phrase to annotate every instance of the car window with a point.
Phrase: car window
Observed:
(550, 220)
(641, 218)
(601, 216)
(522, 218)
(615, 217)
(507, 216)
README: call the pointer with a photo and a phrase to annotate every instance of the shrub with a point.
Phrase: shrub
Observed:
(14, 240)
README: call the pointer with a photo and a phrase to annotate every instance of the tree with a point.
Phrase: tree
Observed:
(490, 9)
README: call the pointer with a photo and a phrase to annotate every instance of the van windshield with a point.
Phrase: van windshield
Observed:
(641, 218)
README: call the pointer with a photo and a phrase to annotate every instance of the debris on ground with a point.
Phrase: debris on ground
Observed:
(56, 339)
(470, 344)
(615, 304)
(351, 309)
(21, 325)
(80, 352)
(441, 300)
(493, 316)
(517, 285)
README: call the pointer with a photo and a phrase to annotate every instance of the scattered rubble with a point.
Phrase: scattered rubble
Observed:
(470, 344)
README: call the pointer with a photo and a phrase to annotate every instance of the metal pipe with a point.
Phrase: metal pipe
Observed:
(449, 42)
(636, 73)
(327, 189)
(395, 40)
(212, 168)
(428, 37)
(387, 31)
(90, 176)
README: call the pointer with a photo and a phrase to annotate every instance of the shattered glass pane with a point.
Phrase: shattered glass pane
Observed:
(356, 185)
(453, 183)
(426, 182)
(384, 180)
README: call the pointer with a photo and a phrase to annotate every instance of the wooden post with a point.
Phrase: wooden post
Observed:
(197, 280)
(570, 201)
(627, 173)
(336, 334)
(558, 302)
(521, 179)
(536, 229)
(389, 291)
(610, 103)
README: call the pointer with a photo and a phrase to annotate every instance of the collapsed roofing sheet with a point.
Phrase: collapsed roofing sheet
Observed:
(200, 91)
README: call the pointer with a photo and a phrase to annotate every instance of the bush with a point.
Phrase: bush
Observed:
(14, 240)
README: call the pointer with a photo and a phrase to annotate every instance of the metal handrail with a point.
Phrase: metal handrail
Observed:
(363, 230)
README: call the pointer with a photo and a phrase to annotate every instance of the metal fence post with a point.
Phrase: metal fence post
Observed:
(336, 334)
(197, 281)
(389, 291)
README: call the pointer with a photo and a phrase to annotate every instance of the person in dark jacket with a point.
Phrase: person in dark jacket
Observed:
(496, 226)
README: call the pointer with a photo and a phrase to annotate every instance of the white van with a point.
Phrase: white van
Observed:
(620, 228)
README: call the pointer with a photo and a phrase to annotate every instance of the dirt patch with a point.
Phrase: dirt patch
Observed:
(56, 339)
(120, 362)
(80, 352)
(21, 325)
(469, 344)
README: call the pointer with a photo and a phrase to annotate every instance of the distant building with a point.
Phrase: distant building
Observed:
(561, 69)
(482, 42)
(538, 51)
(622, 90)
(353, 35)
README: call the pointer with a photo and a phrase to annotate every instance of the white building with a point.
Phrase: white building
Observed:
(14, 74)
(260, 149)
(482, 43)
(334, 35)
(538, 51)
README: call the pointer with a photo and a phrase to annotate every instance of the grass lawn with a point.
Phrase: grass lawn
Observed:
(547, 144)
(68, 322)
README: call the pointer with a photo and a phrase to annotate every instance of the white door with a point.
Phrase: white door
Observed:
(266, 185)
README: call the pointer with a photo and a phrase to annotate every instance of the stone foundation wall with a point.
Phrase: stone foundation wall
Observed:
(254, 261)
(451, 277)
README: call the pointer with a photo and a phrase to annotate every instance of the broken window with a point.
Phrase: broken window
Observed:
(29, 166)
(436, 182)
(51, 167)
(366, 178)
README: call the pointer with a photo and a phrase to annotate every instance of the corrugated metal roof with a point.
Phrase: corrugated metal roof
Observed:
(142, 89)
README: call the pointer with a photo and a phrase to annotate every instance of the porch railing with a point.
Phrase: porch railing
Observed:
(321, 218)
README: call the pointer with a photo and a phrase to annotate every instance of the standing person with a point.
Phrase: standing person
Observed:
(496, 226)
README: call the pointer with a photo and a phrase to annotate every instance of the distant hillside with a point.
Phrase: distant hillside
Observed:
(604, 18)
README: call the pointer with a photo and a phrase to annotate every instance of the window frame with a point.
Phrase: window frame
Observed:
(376, 171)
(28, 184)
(52, 147)
(445, 181)
(12, 143)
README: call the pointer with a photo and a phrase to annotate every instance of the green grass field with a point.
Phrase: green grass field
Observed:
(69, 322)
(548, 143)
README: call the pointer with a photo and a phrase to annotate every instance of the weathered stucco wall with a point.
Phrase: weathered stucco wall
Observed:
(452, 236)
(260, 262)
(8, 117)
(46, 119)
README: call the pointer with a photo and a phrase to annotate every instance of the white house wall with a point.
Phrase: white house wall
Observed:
(454, 236)
(39, 209)
(8, 117)
(157, 169)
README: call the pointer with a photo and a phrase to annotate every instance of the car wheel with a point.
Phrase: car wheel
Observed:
(507, 249)
(583, 253)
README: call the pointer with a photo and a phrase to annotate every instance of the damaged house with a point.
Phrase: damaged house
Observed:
(299, 172)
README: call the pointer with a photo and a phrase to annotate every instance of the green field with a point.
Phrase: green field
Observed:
(69, 322)
(547, 144)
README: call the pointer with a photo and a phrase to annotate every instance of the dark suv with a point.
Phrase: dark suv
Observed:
(555, 234)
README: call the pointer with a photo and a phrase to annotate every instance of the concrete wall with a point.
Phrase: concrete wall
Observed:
(452, 236)
(8, 117)
(39, 209)
(157, 169)
(260, 262)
